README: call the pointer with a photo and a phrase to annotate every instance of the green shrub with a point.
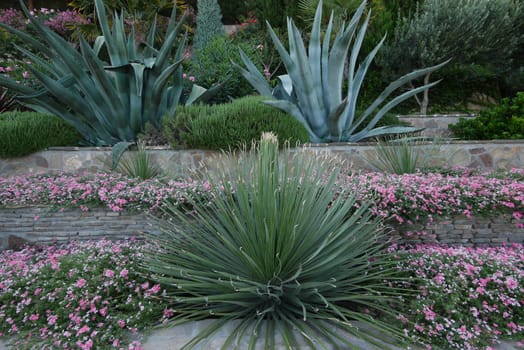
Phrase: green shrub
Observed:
(23, 133)
(230, 125)
(212, 65)
(504, 121)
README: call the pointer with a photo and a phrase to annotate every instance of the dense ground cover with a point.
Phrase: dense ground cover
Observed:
(92, 295)
(404, 198)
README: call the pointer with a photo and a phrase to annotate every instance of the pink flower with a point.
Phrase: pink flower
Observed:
(192, 78)
(155, 289)
(51, 320)
(124, 273)
(121, 323)
(25, 74)
(511, 284)
(81, 283)
(33, 317)
(429, 314)
(109, 273)
(83, 329)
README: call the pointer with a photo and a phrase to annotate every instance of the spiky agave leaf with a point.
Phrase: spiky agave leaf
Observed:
(106, 104)
(317, 80)
(280, 251)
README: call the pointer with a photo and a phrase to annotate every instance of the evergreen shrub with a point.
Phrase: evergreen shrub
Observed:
(504, 121)
(22, 133)
(230, 125)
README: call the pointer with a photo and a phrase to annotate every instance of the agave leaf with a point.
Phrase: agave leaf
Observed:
(386, 108)
(391, 130)
(117, 151)
(253, 75)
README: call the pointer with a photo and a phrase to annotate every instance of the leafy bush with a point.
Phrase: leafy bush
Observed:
(230, 125)
(504, 121)
(87, 295)
(278, 251)
(212, 65)
(23, 133)
(470, 297)
(479, 33)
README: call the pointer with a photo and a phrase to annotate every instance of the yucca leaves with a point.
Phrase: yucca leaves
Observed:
(317, 77)
(277, 251)
(106, 102)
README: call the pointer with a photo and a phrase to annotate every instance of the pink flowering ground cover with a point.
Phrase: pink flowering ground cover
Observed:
(113, 191)
(408, 198)
(469, 297)
(93, 295)
(88, 295)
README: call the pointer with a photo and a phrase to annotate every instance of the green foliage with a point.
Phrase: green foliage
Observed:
(106, 104)
(280, 250)
(478, 32)
(232, 10)
(273, 11)
(22, 133)
(312, 91)
(404, 155)
(231, 125)
(209, 24)
(138, 164)
(212, 65)
(7, 101)
(504, 121)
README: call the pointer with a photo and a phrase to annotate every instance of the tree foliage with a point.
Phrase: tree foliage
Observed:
(471, 32)
(209, 23)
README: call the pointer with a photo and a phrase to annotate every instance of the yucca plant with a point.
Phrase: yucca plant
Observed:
(404, 155)
(106, 102)
(312, 91)
(138, 164)
(280, 251)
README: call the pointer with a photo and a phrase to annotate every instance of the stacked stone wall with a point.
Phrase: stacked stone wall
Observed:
(43, 225)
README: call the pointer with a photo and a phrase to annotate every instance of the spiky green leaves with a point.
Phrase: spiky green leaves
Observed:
(317, 76)
(105, 103)
(277, 250)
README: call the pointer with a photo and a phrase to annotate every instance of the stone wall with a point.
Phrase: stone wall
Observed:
(40, 224)
(475, 154)
(436, 124)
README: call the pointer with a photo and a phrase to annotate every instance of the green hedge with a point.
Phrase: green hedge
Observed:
(22, 133)
(228, 126)
(504, 121)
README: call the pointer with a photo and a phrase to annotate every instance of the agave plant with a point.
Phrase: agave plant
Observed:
(6, 101)
(312, 90)
(279, 251)
(106, 103)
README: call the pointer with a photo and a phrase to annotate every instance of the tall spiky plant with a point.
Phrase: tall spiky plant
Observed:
(312, 91)
(106, 102)
(280, 251)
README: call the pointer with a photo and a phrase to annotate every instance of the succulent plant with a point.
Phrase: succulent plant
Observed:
(312, 91)
(106, 102)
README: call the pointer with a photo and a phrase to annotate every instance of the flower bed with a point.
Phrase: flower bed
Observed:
(410, 198)
(92, 295)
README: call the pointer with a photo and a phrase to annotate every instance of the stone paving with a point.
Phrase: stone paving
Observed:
(174, 338)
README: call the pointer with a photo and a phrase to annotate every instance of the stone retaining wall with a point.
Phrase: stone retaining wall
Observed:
(41, 224)
(435, 124)
(474, 154)
(45, 225)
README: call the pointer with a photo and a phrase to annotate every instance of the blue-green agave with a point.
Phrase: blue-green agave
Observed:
(312, 91)
(110, 102)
